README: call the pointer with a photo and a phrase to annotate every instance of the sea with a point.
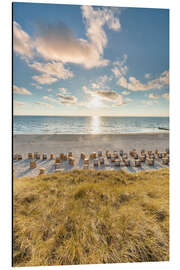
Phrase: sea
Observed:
(87, 124)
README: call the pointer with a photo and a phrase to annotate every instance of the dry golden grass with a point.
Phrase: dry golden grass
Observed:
(88, 217)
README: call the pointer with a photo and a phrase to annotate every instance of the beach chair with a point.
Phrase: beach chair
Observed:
(99, 153)
(41, 171)
(121, 153)
(136, 156)
(112, 159)
(57, 160)
(91, 156)
(37, 155)
(65, 157)
(19, 157)
(149, 153)
(85, 166)
(150, 161)
(15, 157)
(124, 156)
(61, 156)
(96, 162)
(167, 150)
(156, 151)
(86, 161)
(101, 161)
(94, 155)
(127, 162)
(164, 154)
(30, 155)
(107, 151)
(143, 152)
(83, 156)
(159, 155)
(117, 163)
(165, 161)
(44, 156)
(137, 163)
(51, 156)
(32, 164)
(142, 158)
(116, 154)
(133, 152)
(69, 154)
(108, 155)
(57, 166)
(71, 161)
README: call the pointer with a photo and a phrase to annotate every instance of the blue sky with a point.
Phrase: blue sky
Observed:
(83, 60)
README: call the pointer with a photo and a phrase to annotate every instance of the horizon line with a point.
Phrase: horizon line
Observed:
(91, 115)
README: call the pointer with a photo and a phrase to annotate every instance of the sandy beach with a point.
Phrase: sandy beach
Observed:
(58, 143)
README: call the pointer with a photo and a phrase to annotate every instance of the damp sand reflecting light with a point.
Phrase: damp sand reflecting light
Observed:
(95, 125)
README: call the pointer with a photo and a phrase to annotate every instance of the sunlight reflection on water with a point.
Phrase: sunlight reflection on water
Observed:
(95, 125)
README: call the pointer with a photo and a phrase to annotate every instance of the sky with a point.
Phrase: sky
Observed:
(90, 60)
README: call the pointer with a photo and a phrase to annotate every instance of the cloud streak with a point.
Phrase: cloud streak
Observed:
(21, 90)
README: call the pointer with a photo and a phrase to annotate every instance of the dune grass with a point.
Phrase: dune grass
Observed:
(91, 217)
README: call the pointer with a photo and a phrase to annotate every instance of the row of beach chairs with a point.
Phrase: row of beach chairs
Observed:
(116, 158)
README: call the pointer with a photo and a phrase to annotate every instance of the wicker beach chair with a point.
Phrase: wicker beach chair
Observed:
(101, 161)
(71, 161)
(96, 162)
(83, 156)
(30, 156)
(51, 156)
(137, 163)
(117, 163)
(57, 160)
(150, 161)
(41, 171)
(44, 156)
(32, 164)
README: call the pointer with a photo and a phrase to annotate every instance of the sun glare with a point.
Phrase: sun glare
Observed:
(95, 102)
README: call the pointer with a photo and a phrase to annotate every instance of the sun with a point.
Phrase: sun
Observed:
(95, 102)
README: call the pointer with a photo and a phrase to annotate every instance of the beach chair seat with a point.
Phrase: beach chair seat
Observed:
(57, 166)
(41, 171)
(99, 153)
(137, 163)
(136, 156)
(32, 164)
(121, 152)
(127, 162)
(57, 160)
(142, 158)
(83, 156)
(51, 156)
(165, 161)
(116, 155)
(44, 156)
(150, 161)
(113, 159)
(61, 156)
(69, 154)
(19, 157)
(86, 161)
(117, 163)
(96, 162)
(71, 161)
(30, 155)
(101, 161)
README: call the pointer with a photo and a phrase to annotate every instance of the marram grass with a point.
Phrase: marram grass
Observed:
(91, 217)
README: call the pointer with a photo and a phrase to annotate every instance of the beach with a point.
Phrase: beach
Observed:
(58, 143)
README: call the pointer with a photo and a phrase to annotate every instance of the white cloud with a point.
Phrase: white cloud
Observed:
(100, 82)
(147, 75)
(21, 90)
(43, 104)
(153, 96)
(50, 99)
(63, 90)
(22, 43)
(18, 103)
(44, 79)
(58, 43)
(119, 67)
(37, 86)
(125, 93)
(166, 96)
(67, 100)
(135, 85)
